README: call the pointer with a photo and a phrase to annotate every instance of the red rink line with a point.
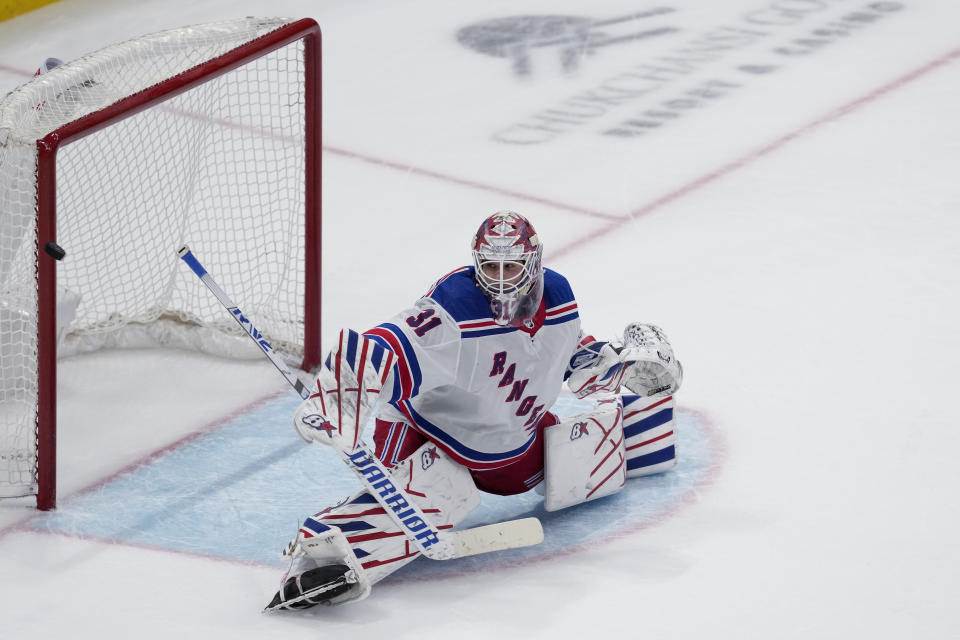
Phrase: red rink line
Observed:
(470, 183)
(16, 72)
(754, 155)
(399, 166)
(22, 524)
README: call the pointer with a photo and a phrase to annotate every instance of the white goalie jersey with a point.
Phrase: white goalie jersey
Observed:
(477, 389)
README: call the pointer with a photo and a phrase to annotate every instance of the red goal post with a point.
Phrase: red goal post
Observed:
(208, 134)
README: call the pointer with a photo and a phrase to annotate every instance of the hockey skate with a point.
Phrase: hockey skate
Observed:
(313, 587)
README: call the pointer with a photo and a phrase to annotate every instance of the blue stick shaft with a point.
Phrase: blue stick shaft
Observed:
(187, 256)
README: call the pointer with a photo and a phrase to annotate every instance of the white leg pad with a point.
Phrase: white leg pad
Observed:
(443, 489)
(584, 456)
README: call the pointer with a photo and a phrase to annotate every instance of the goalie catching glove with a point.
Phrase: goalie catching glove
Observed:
(643, 362)
(653, 369)
(348, 386)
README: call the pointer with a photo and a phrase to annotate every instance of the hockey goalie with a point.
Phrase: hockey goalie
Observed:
(457, 391)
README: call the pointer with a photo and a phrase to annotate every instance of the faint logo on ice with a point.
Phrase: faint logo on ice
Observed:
(671, 78)
(569, 38)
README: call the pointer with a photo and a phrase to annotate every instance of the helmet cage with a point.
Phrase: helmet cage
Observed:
(507, 260)
(492, 272)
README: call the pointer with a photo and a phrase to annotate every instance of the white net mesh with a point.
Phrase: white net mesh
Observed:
(220, 166)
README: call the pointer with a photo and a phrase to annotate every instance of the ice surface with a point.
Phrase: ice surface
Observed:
(788, 215)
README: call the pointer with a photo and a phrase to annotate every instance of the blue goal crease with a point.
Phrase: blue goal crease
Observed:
(241, 492)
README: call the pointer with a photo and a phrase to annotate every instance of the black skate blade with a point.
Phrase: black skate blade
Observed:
(319, 586)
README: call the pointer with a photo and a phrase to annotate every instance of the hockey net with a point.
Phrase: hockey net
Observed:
(207, 134)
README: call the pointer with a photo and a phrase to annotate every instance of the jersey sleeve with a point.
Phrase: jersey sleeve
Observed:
(426, 342)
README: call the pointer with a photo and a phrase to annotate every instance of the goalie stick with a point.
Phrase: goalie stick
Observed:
(430, 541)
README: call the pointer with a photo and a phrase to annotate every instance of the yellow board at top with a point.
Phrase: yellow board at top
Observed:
(13, 8)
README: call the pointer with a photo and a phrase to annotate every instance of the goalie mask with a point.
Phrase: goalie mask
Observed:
(506, 255)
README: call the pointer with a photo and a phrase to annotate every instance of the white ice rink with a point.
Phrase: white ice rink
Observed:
(774, 182)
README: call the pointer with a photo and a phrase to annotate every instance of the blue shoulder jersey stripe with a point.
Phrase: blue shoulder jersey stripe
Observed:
(486, 332)
(460, 297)
(562, 319)
(436, 284)
(409, 355)
(556, 289)
(397, 392)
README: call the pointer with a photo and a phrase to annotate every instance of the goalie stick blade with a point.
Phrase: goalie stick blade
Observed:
(511, 534)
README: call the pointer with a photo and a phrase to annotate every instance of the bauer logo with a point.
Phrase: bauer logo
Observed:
(579, 430)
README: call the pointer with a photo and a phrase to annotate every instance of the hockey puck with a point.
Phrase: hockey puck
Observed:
(54, 250)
